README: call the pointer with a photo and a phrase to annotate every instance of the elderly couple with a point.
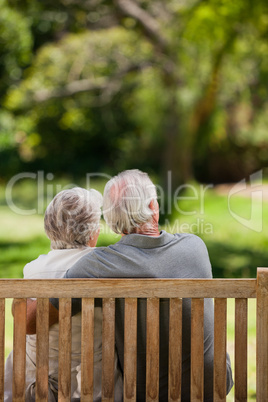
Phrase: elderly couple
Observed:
(131, 209)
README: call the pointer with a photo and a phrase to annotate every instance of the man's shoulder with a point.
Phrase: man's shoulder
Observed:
(90, 264)
(189, 238)
(191, 243)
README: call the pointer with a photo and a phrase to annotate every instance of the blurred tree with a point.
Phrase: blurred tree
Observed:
(80, 112)
(15, 55)
(15, 45)
(156, 85)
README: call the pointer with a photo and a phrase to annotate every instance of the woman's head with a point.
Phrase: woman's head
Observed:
(72, 218)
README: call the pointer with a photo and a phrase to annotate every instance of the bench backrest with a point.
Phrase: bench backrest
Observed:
(131, 290)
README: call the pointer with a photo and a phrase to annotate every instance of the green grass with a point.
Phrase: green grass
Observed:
(22, 239)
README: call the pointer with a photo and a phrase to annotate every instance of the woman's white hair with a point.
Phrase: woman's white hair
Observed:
(72, 217)
(126, 201)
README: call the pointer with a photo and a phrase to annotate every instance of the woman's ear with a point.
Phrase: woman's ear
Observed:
(93, 240)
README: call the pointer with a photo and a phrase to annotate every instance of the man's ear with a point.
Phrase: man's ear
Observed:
(151, 205)
(154, 205)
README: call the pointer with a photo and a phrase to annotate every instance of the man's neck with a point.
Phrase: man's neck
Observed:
(148, 230)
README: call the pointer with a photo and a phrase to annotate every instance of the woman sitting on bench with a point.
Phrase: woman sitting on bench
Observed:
(72, 225)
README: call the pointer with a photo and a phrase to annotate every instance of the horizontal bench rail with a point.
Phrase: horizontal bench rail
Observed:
(131, 290)
(103, 288)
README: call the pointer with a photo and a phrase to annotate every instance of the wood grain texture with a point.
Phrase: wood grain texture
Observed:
(197, 350)
(42, 348)
(87, 350)
(65, 346)
(130, 350)
(175, 350)
(105, 288)
(262, 337)
(241, 347)
(108, 349)
(219, 377)
(152, 350)
(2, 348)
(19, 350)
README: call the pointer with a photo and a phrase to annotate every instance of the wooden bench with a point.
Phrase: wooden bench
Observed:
(131, 289)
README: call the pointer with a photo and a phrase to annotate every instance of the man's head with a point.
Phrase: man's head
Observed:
(72, 218)
(129, 201)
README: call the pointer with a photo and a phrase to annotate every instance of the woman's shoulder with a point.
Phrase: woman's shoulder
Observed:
(54, 264)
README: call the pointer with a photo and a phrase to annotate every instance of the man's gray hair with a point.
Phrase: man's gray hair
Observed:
(126, 201)
(72, 217)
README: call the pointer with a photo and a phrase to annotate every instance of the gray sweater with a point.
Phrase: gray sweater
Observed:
(165, 256)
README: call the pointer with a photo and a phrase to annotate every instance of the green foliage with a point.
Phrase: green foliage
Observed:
(7, 126)
(15, 44)
(90, 128)
(87, 55)
(105, 84)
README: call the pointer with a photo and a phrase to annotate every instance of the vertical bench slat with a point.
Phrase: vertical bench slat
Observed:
(42, 330)
(2, 348)
(175, 350)
(220, 314)
(130, 350)
(152, 350)
(197, 349)
(65, 345)
(87, 350)
(19, 350)
(108, 347)
(241, 345)
(262, 338)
